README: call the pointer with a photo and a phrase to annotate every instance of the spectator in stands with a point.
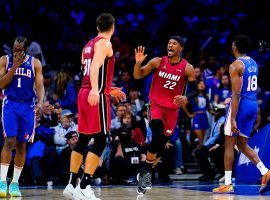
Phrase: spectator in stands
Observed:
(133, 99)
(177, 144)
(34, 49)
(224, 90)
(72, 139)
(62, 129)
(129, 150)
(199, 118)
(198, 73)
(54, 160)
(120, 111)
(125, 81)
(121, 50)
(47, 79)
(35, 158)
(49, 116)
(212, 148)
(143, 124)
(65, 95)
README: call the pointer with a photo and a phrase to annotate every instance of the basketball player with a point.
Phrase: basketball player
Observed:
(22, 80)
(171, 73)
(93, 107)
(239, 119)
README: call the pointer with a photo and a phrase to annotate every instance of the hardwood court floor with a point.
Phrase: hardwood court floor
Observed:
(166, 192)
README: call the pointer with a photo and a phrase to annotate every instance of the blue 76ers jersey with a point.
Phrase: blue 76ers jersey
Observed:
(22, 85)
(249, 79)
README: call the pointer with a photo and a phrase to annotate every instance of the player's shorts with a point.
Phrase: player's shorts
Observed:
(18, 120)
(199, 122)
(167, 115)
(245, 118)
(93, 119)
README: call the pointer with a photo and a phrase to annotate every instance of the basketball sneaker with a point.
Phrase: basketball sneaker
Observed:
(68, 191)
(223, 189)
(140, 190)
(84, 194)
(3, 189)
(14, 190)
(265, 185)
(144, 181)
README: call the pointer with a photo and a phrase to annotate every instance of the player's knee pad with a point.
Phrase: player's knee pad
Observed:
(99, 144)
(156, 126)
(82, 143)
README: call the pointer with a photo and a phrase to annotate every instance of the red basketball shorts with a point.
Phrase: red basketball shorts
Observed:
(93, 119)
(167, 115)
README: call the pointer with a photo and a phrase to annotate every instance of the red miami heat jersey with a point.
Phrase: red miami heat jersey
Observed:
(105, 71)
(168, 81)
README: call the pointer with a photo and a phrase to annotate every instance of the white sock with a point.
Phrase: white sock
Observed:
(228, 177)
(262, 168)
(16, 174)
(4, 171)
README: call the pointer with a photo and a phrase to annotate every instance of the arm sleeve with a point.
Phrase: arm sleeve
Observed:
(192, 90)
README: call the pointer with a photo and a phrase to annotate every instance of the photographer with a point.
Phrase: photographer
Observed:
(127, 153)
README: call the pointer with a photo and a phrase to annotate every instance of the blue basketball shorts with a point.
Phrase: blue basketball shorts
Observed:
(18, 120)
(245, 118)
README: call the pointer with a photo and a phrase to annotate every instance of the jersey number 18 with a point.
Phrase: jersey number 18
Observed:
(252, 83)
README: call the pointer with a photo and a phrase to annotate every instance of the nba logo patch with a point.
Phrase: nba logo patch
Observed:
(26, 136)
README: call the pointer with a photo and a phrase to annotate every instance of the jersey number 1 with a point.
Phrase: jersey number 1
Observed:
(19, 83)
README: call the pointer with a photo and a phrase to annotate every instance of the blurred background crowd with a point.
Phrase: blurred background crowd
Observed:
(58, 30)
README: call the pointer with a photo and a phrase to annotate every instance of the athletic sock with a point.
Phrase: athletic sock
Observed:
(262, 168)
(228, 177)
(4, 171)
(86, 179)
(73, 179)
(16, 174)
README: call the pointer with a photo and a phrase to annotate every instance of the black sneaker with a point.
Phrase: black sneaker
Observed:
(140, 190)
(146, 180)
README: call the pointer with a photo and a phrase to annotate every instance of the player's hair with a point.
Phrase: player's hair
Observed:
(21, 39)
(243, 43)
(105, 22)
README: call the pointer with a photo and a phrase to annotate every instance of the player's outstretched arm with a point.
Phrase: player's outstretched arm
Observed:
(139, 71)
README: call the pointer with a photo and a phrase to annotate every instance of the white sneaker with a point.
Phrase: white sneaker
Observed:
(178, 171)
(68, 191)
(84, 194)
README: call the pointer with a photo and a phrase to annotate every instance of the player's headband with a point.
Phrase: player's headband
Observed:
(180, 40)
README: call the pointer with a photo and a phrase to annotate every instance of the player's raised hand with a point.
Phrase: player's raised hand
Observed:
(18, 58)
(93, 97)
(117, 94)
(180, 100)
(139, 54)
